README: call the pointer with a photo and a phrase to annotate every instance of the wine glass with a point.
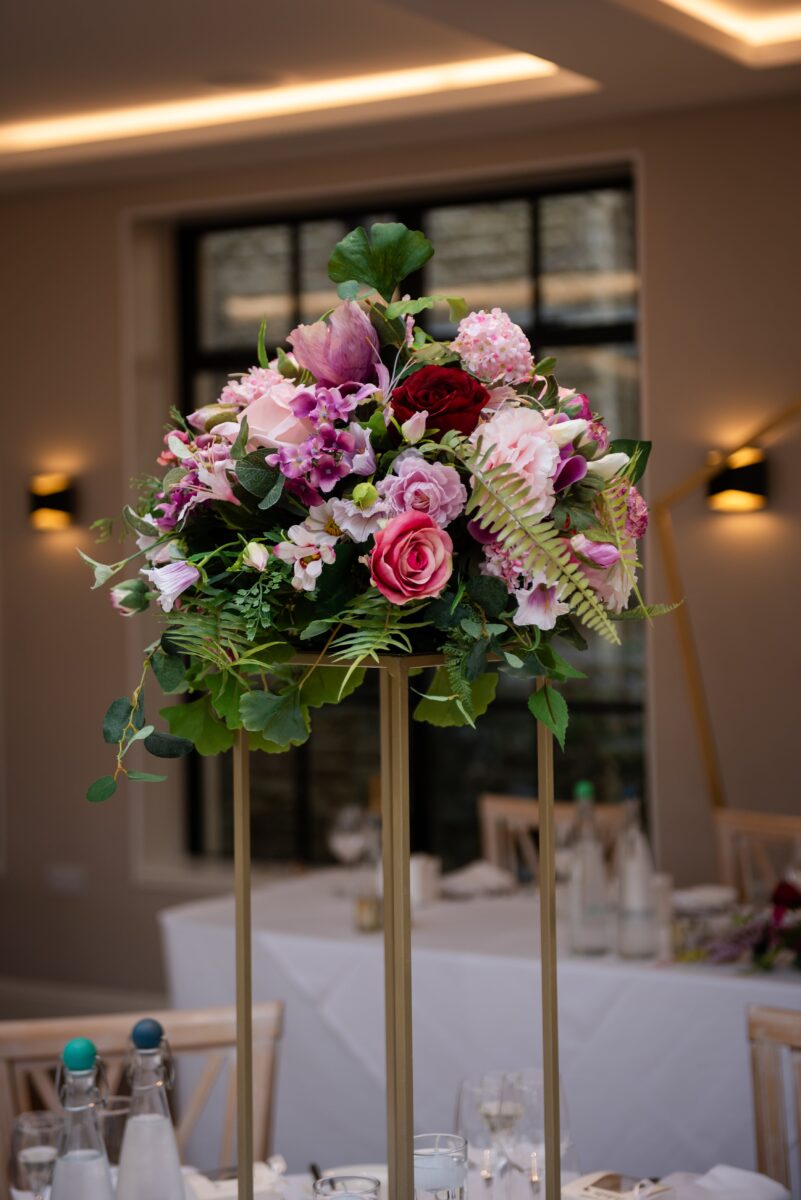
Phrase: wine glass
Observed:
(524, 1139)
(34, 1149)
(478, 1110)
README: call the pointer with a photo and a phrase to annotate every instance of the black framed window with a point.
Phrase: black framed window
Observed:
(562, 261)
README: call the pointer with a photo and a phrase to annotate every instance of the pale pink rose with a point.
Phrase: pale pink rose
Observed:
(271, 421)
(412, 558)
(522, 441)
(343, 349)
(429, 487)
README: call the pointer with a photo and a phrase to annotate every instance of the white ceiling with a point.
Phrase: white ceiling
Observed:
(59, 58)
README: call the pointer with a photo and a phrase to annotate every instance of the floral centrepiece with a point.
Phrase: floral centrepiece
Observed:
(371, 491)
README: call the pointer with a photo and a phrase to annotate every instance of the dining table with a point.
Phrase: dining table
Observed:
(654, 1055)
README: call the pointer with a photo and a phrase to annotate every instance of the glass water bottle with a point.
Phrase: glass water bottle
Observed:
(149, 1162)
(588, 892)
(82, 1171)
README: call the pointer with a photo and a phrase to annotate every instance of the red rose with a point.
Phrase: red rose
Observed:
(451, 397)
(786, 895)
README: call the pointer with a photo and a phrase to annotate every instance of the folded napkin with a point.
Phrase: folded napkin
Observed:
(478, 879)
(705, 897)
(729, 1182)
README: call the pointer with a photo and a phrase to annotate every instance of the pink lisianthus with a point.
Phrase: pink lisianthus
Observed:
(428, 487)
(310, 547)
(343, 349)
(520, 439)
(359, 521)
(600, 554)
(539, 604)
(172, 581)
(256, 556)
(412, 558)
(493, 348)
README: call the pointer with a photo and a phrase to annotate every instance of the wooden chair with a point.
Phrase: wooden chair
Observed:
(775, 1037)
(743, 843)
(508, 824)
(30, 1050)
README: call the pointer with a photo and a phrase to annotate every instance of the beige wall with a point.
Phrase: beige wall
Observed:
(721, 259)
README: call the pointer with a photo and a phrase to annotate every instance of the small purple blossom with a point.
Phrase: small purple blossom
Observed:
(172, 581)
(323, 404)
(571, 468)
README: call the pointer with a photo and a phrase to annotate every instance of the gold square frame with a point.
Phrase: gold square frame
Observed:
(394, 698)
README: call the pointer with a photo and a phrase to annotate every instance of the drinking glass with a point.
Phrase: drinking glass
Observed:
(523, 1142)
(34, 1148)
(477, 1108)
(362, 1187)
(440, 1166)
(111, 1118)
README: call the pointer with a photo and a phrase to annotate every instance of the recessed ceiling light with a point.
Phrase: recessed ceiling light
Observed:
(196, 113)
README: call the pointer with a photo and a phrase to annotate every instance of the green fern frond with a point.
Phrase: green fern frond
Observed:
(501, 503)
(644, 612)
(376, 627)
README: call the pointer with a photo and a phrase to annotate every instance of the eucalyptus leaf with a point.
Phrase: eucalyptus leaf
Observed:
(146, 777)
(139, 736)
(169, 670)
(241, 441)
(381, 259)
(167, 745)
(101, 789)
(256, 476)
(117, 716)
(137, 523)
(103, 571)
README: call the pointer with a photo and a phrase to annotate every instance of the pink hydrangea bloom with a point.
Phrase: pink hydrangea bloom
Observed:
(493, 348)
(521, 439)
(428, 487)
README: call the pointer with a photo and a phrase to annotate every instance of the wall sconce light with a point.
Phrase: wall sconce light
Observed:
(52, 500)
(741, 484)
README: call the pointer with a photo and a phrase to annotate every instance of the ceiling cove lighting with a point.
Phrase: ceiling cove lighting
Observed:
(764, 34)
(52, 500)
(204, 111)
(741, 485)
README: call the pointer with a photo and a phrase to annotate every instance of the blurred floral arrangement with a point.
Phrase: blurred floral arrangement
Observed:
(372, 491)
(769, 938)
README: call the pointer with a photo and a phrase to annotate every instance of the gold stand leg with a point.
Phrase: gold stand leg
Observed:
(397, 926)
(244, 997)
(550, 1024)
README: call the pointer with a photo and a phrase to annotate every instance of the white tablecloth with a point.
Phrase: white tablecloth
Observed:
(654, 1059)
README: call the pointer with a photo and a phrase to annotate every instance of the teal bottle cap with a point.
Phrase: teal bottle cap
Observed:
(79, 1055)
(147, 1034)
(584, 790)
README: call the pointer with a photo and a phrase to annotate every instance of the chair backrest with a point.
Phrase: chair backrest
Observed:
(744, 840)
(508, 824)
(30, 1050)
(775, 1037)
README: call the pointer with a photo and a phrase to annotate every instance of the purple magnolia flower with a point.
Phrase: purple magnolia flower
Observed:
(428, 487)
(343, 349)
(171, 581)
(600, 554)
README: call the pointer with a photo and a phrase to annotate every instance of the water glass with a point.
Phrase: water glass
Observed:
(347, 1187)
(34, 1148)
(111, 1118)
(440, 1166)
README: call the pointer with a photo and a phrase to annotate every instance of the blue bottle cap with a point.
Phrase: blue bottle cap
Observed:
(147, 1034)
(79, 1054)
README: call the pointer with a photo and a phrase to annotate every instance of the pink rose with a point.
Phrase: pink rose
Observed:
(412, 558)
(271, 421)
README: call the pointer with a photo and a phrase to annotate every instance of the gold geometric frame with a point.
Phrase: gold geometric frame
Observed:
(394, 697)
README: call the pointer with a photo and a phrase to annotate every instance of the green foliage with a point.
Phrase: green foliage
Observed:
(549, 706)
(457, 307)
(169, 671)
(644, 612)
(262, 481)
(240, 444)
(101, 789)
(146, 777)
(198, 723)
(264, 360)
(281, 718)
(329, 685)
(490, 594)
(253, 604)
(502, 504)
(118, 716)
(638, 452)
(167, 745)
(380, 260)
(441, 707)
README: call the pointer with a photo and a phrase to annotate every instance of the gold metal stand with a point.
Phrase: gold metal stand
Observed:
(394, 683)
(550, 1011)
(244, 987)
